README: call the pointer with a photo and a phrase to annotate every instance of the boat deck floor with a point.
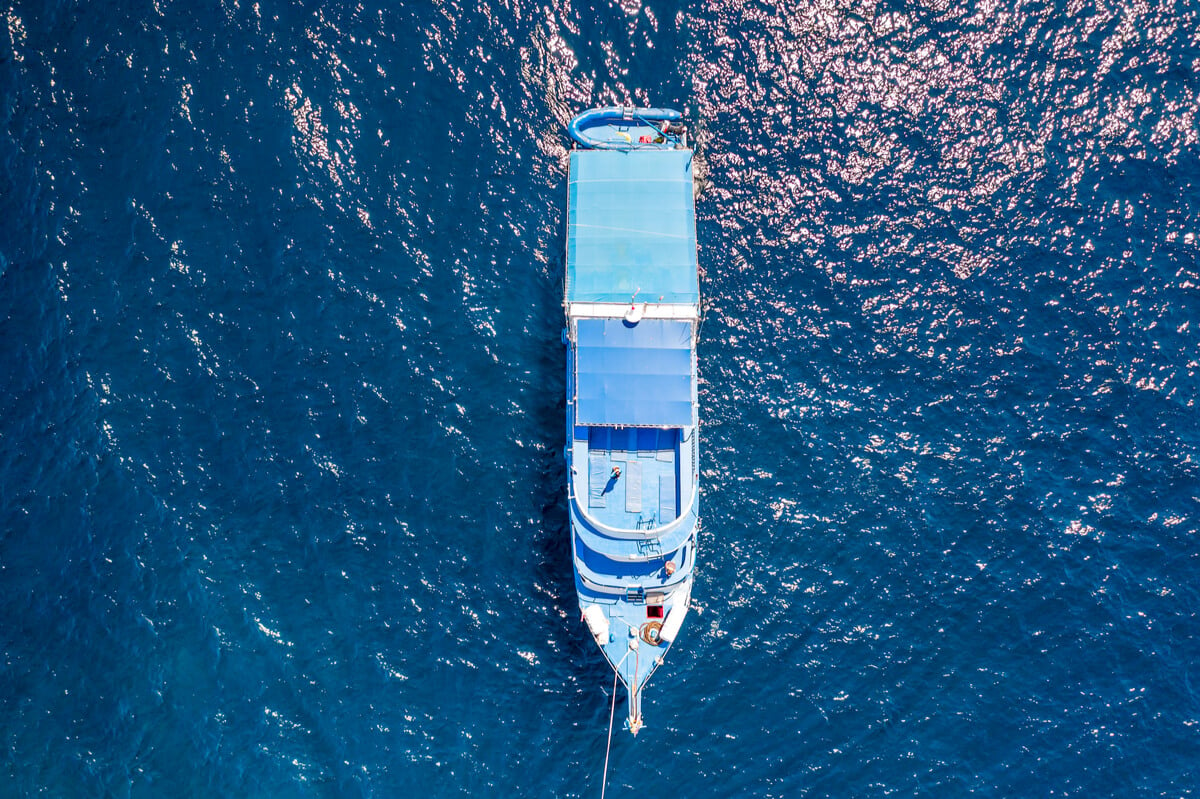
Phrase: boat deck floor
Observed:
(645, 493)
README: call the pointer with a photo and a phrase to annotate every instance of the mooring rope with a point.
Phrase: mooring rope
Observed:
(611, 715)
(637, 659)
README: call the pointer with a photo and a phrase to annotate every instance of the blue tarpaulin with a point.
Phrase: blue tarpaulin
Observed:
(631, 225)
(633, 375)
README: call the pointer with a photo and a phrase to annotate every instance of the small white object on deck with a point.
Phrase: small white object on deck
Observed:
(673, 622)
(597, 623)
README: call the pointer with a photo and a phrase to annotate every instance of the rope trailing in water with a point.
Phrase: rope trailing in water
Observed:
(611, 714)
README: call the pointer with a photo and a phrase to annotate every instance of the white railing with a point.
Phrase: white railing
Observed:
(617, 310)
(634, 533)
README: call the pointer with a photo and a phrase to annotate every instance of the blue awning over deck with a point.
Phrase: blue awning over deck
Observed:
(631, 225)
(633, 375)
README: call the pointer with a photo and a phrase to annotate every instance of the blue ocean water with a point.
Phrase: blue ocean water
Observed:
(282, 504)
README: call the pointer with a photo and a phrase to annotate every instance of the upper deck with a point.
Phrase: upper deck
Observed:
(631, 227)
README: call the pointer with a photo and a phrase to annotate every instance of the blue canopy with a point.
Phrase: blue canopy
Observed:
(633, 375)
(631, 225)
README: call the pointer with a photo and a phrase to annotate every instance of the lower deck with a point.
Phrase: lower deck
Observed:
(632, 476)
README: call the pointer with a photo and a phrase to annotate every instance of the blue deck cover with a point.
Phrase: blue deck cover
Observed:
(633, 375)
(640, 228)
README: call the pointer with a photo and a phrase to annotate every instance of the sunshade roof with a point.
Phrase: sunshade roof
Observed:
(633, 375)
(631, 225)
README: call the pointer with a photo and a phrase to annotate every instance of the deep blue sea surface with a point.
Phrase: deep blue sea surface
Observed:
(282, 499)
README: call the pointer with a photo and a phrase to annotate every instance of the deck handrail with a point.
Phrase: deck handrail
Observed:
(634, 533)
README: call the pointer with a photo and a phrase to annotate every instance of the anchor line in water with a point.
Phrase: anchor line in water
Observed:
(611, 715)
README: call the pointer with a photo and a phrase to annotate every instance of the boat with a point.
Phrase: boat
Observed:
(632, 304)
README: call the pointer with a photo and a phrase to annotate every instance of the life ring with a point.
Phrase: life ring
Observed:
(651, 632)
